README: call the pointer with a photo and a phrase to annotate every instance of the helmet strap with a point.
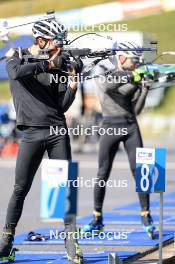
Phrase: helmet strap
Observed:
(45, 44)
(124, 63)
(122, 59)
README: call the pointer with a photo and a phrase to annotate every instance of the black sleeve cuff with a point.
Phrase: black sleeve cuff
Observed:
(42, 66)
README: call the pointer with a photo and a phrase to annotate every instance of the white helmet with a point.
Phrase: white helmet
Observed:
(135, 52)
(49, 29)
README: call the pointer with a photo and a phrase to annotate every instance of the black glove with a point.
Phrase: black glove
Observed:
(32, 236)
(75, 67)
(61, 61)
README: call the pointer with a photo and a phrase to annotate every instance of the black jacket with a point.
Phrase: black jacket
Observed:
(39, 99)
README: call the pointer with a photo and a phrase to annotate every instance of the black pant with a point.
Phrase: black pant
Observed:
(35, 142)
(108, 148)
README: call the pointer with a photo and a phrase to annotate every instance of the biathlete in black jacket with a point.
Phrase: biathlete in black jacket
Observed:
(122, 98)
(39, 104)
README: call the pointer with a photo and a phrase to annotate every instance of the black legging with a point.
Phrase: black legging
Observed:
(35, 142)
(108, 148)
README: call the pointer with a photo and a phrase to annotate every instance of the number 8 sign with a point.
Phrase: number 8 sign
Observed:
(145, 182)
(150, 170)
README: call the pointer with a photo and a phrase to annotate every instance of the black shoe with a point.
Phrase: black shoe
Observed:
(74, 253)
(6, 244)
(148, 224)
(146, 218)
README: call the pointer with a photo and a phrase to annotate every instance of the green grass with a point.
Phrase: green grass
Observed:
(4, 91)
(29, 7)
(162, 28)
(167, 105)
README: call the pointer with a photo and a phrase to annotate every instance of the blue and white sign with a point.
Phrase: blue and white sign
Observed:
(58, 194)
(150, 170)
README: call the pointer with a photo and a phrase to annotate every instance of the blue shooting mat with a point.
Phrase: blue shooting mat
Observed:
(125, 219)
(169, 195)
(168, 205)
(44, 257)
(112, 237)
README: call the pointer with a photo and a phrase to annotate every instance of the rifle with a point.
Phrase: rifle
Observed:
(79, 53)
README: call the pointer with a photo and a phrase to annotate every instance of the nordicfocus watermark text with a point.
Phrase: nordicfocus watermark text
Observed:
(80, 182)
(101, 28)
(81, 130)
(109, 235)
(56, 78)
(110, 27)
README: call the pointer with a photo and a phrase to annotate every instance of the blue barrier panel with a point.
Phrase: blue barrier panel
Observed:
(58, 194)
(24, 42)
